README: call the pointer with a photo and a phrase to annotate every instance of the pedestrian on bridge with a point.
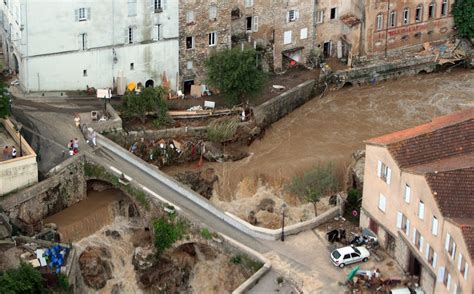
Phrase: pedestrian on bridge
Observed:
(6, 153)
(13, 152)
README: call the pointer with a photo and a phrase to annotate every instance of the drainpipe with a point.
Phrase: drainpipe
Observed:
(386, 29)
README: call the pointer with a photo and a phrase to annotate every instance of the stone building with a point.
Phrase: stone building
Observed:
(69, 45)
(418, 199)
(395, 24)
(204, 26)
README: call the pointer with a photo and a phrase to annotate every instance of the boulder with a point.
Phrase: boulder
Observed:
(95, 266)
(143, 258)
(266, 204)
(214, 151)
(113, 234)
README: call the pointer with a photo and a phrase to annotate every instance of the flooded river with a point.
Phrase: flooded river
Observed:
(331, 128)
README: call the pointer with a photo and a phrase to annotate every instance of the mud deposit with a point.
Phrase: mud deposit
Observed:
(330, 129)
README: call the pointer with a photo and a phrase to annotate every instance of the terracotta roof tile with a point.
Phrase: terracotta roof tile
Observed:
(468, 234)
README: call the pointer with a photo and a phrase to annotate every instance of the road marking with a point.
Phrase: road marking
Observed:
(160, 198)
(117, 171)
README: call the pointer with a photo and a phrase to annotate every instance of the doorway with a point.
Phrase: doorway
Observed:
(149, 84)
(187, 87)
(373, 226)
(414, 266)
(16, 64)
(327, 49)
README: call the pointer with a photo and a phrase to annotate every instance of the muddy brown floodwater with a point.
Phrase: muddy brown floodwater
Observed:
(330, 129)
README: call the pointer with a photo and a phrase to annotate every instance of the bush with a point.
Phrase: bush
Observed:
(222, 130)
(63, 282)
(24, 279)
(353, 198)
(149, 100)
(4, 102)
(167, 232)
(463, 12)
(206, 234)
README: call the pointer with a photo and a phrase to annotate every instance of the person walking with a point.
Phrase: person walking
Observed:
(6, 153)
(70, 147)
(77, 120)
(13, 152)
(75, 144)
(94, 138)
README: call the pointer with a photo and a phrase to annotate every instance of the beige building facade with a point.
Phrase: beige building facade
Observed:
(418, 199)
(395, 24)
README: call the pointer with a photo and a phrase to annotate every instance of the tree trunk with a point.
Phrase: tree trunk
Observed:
(315, 209)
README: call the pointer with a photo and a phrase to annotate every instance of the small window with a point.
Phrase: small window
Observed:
(287, 38)
(213, 12)
(130, 35)
(83, 41)
(132, 7)
(406, 16)
(157, 32)
(158, 5)
(419, 13)
(190, 17)
(248, 3)
(333, 13)
(434, 226)
(84, 73)
(407, 194)
(82, 14)
(319, 16)
(132, 66)
(431, 10)
(303, 33)
(393, 19)
(212, 39)
(249, 23)
(421, 210)
(293, 15)
(189, 65)
(189, 42)
(379, 21)
(444, 8)
(382, 202)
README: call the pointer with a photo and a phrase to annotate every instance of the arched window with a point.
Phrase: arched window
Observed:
(419, 13)
(406, 16)
(393, 19)
(432, 10)
(379, 21)
(444, 8)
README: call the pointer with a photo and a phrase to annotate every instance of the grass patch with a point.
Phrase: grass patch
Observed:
(222, 130)
(246, 262)
(206, 234)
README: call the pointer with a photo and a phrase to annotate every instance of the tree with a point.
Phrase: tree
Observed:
(235, 73)
(24, 279)
(149, 100)
(315, 183)
(166, 233)
(464, 17)
(4, 102)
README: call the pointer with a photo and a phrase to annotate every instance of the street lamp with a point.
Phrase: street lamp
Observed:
(283, 207)
(20, 127)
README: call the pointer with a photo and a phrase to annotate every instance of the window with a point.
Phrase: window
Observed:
(393, 19)
(419, 13)
(406, 16)
(189, 64)
(190, 17)
(407, 193)
(417, 239)
(421, 210)
(450, 246)
(82, 14)
(287, 37)
(430, 255)
(248, 3)
(382, 202)
(83, 41)
(132, 7)
(292, 15)
(333, 13)
(158, 5)
(431, 10)
(384, 172)
(403, 223)
(132, 66)
(434, 226)
(213, 12)
(130, 36)
(379, 24)
(249, 23)
(303, 33)
(462, 266)
(319, 16)
(447, 279)
(212, 39)
(189, 42)
(84, 73)
(252, 23)
(444, 8)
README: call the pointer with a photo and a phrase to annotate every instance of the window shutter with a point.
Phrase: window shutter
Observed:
(434, 229)
(453, 253)
(126, 36)
(155, 33)
(441, 274)
(399, 220)
(427, 251)
(446, 244)
(255, 23)
(449, 282)
(88, 13)
(76, 14)
(455, 291)
(407, 230)
(389, 175)
(435, 259)
(287, 16)
(297, 14)
(414, 235)
(407, 193)
(421, 212)
(466, 270)
(421, 244)
(85, 42)
(79, 42)
(379, 167)
(459, 261)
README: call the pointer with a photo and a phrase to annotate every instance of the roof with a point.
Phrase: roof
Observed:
(468, 234)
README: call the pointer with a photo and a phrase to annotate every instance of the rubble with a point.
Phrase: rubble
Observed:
(95, 266)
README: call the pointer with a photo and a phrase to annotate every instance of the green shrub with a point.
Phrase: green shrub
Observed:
(24, 279)
(222, 130)
(206, 234)
(246, 262)
(63, 282)
(167, 232)
(353, 197)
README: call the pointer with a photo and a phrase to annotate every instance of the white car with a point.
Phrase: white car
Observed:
(347, 255)
(406, 291)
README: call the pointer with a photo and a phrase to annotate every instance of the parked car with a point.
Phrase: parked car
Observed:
(406, 290)
(349, 254)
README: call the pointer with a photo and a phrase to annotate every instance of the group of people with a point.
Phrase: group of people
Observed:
(73, 147)
(7, 154)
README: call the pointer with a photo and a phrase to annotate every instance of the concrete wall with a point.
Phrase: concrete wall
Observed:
(19, 172)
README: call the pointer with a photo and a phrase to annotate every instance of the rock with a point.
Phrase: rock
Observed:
(95, 266)
(201, 182)
(266, 204)
(164, 277)
(51, 226)
(143, 258)
(358, 154)
(114, 234)
(251, 218)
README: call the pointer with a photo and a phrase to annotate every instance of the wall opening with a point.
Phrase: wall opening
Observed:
(149, 84)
